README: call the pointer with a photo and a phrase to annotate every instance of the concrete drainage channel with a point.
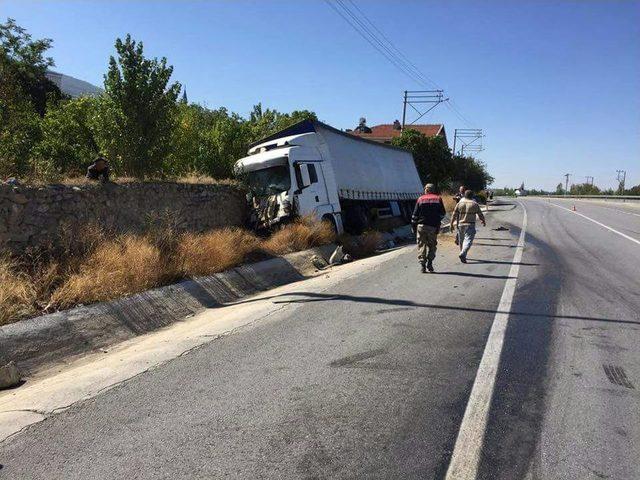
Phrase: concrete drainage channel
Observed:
(37, 343)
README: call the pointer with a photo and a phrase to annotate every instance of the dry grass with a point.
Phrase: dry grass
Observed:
(215, 251)
(17, 293)
(300, 235)
(93, 265)
(120, 267)
(449, 202)
(200, 179)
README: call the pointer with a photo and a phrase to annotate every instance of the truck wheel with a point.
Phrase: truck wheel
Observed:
(362, 219)
(329, 219)
(407, 211)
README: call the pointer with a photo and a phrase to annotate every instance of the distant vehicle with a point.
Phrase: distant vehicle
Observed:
(312, 168)
(520, 193)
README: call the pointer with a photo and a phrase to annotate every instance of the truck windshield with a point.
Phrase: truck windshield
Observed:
(269, 181)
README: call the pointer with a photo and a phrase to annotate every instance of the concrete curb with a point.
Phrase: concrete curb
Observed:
(38, 342)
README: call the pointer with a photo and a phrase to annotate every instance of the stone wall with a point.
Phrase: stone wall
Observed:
(33, 216)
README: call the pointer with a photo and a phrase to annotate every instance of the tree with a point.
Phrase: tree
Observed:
(68, 138)
(137, 111)
(23, 59)
(584, 189)
(431, 155)
(19, 128)
(263, 123)
(633, 190)
(559, 189)
(207, 141)
(471, 172)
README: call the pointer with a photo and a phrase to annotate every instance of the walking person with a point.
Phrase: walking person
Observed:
(460, 195)
(457, 197)
(464, 215)
(425, 223)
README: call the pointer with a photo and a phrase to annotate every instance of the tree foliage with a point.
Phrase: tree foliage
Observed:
(431, 154)
(141, 128)
(69, 139)
(471, 172)
(23, 59)
(635, 190)
(584, 189)
(19, 129)
(265, 122)
(436, 165)
(137, 110)
(206, 141)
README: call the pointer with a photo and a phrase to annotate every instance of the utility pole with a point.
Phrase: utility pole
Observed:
(470, 138)
(622, 176)
(417, 97)
(404, 108)
(566, 183)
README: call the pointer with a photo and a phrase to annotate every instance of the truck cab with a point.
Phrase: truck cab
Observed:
(287, 177)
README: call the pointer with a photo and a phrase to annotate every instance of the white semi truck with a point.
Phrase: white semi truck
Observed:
(311, 168)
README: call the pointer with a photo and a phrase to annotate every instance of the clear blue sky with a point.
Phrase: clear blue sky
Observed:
(554, 84)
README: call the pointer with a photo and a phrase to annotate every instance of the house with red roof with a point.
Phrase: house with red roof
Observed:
(385, 132)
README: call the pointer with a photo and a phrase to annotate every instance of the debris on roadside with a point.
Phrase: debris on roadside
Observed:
(339, 256)
(9, 375)
(500, 229)
(318, 262)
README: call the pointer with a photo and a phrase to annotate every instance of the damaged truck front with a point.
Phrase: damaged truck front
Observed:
(313, 169)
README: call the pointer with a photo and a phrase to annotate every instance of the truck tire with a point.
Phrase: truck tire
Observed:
(407, 211)
(362, 218)
(331, 220)
(357, 219)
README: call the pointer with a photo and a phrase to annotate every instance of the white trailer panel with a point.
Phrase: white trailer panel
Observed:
(367, 170)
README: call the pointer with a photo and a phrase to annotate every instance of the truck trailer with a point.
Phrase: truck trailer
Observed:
(314, 169)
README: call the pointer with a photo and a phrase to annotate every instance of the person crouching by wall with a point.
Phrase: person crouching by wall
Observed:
(99, 170)
(425, 223)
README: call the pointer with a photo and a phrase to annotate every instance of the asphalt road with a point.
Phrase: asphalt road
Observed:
(371, 378)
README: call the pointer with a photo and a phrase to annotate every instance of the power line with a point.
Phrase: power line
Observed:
(458, 114)
(399, 52)
(362, 33)
(398, 60)
(386, 48)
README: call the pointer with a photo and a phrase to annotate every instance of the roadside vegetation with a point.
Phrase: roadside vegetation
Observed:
(449, 202)
(147, 129)
(145, 126)
(95, 265)
(438, 165)
(574, 189)
(142, 123)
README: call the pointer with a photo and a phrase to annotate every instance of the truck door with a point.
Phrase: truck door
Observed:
(312, 189)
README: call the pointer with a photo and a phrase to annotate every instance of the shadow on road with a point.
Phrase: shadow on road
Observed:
(477, 260)
(497, 239)
(308, 297)
(493, 244)
(473, 275)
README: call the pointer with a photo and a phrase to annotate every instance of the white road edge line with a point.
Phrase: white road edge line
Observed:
(465, 458)
(598, 223)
